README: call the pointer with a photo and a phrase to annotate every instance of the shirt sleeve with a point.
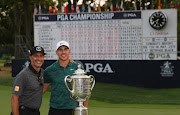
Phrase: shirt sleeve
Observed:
(19, 84)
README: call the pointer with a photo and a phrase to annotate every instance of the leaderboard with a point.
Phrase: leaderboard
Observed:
(102, 36)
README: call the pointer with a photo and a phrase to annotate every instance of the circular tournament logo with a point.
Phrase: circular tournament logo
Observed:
(153, 39)
(165, 39)
(125, 15)
(151, 56)
(39, 18)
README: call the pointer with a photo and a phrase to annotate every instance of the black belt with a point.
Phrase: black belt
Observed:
(29, 109)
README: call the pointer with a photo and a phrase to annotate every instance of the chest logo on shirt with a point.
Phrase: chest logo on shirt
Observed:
(16, 88)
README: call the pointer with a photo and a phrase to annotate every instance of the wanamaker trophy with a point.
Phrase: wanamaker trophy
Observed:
(81, 87)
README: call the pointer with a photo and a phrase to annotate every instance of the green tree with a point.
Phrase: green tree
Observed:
(6, 22)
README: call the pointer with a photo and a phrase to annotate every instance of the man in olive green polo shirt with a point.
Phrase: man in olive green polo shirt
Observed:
(60, 101)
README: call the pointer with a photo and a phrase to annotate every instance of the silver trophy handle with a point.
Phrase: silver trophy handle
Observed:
(93, 80)
(69, 80)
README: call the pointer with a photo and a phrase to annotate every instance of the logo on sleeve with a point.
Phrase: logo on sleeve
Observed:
(16, 88)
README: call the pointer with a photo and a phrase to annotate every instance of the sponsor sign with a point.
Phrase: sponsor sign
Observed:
(143, 73)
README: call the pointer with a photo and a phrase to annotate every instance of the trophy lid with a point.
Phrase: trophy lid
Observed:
(79, 71)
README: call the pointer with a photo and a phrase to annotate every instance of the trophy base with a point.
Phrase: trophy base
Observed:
(80, 111)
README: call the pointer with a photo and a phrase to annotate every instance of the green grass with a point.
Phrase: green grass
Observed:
(96, 107)
(111, 99)
(2, 62)
(6, 81)
(120, 94)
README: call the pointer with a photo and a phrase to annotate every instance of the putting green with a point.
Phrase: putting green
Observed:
(96, 107)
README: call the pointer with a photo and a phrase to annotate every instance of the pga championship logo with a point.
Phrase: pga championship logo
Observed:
(98, 67)
(167, 69)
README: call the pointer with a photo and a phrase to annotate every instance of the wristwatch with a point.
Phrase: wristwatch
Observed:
(158, 20)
